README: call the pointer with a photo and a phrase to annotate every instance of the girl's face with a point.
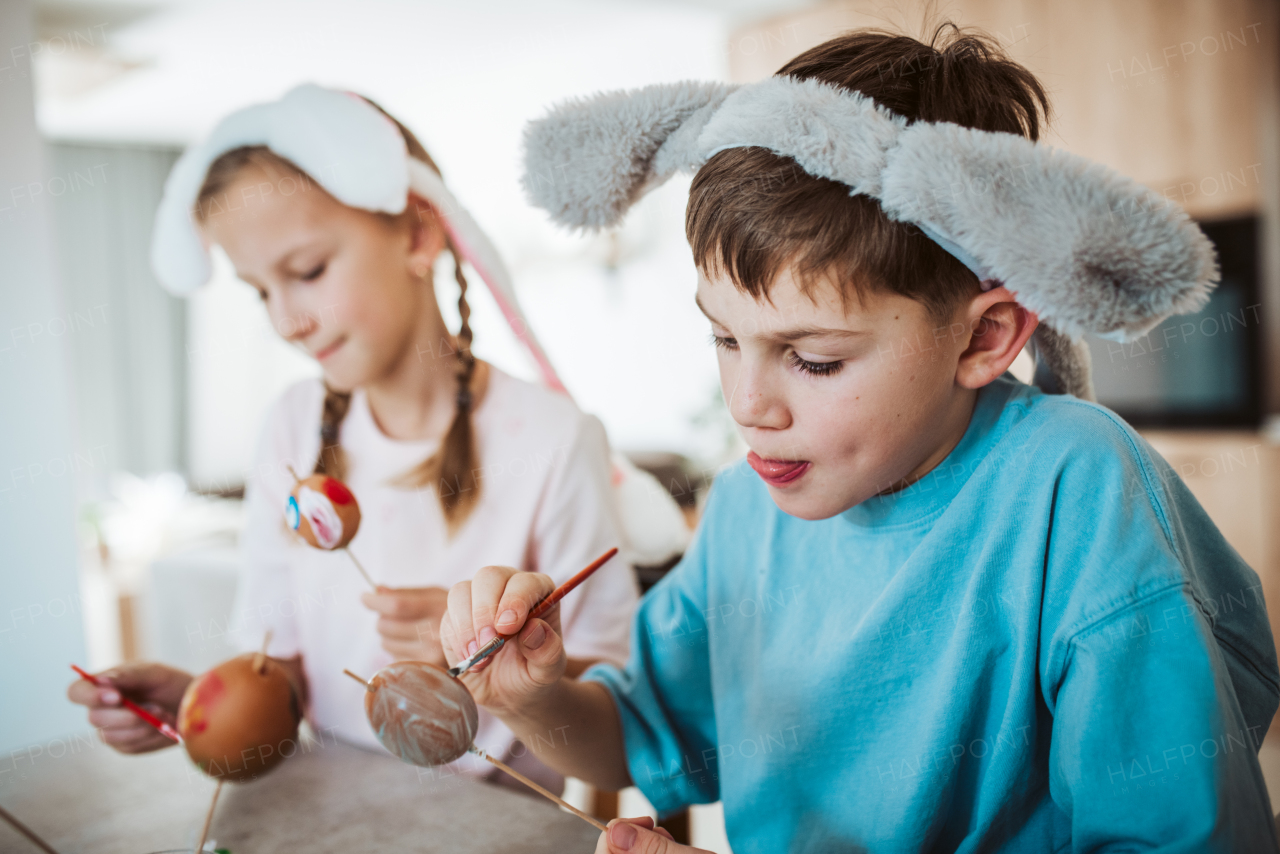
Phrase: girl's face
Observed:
(345, 285)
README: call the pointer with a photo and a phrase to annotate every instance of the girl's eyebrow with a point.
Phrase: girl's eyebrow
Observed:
(285, 260)
(791, 334)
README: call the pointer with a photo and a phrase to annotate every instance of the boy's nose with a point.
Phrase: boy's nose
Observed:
(753, 403)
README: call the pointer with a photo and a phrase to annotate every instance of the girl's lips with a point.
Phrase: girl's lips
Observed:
(777, 472)
(330, 350)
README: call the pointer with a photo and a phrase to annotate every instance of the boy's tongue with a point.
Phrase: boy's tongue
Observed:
(772, 469)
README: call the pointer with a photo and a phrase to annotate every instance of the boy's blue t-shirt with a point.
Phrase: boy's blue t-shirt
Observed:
(1043, 645)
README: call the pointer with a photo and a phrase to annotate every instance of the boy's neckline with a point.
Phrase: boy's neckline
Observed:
(932, 493)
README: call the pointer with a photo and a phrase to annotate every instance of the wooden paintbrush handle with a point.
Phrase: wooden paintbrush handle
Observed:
(565, 589)
(539, 609)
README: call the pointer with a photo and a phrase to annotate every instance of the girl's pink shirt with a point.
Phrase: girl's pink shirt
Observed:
(545, 506)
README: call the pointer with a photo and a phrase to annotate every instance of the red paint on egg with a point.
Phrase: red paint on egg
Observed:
(209, 690)
(337, 491)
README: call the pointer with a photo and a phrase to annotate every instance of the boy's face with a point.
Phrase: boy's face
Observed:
(837, 403)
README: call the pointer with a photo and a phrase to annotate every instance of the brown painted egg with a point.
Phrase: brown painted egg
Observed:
(420, 713)
(238, 723)
(323, 512)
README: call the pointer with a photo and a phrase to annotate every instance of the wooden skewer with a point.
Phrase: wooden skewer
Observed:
(260, 660)
(208, 819)
(351, 555)
(532, 785)
(26, 831)
(361, 680)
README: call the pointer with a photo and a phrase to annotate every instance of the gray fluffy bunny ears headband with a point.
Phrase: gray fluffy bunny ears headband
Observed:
(1086, 249)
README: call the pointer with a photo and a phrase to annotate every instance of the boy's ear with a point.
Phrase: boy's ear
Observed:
(998, 330)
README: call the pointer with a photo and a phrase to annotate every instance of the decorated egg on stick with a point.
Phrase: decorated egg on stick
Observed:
(420, 713)
(240, 719)
(325, 514)
(427, 717)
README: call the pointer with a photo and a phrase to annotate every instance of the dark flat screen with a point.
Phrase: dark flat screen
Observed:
(1200, 370)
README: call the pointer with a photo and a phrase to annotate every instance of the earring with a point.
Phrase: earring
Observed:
(421, 271)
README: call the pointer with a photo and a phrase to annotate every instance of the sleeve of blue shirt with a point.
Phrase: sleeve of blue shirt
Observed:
(664, 694)
(1149, 745)
(1160, 697)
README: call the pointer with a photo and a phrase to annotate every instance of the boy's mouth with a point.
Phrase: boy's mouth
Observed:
(777, 472)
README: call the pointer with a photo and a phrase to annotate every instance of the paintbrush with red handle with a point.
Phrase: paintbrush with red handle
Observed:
(132, 706)
(538, 610)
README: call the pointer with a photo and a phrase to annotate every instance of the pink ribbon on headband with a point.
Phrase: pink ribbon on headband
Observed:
(510, 311)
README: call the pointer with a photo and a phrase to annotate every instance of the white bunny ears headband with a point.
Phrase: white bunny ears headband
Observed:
(1083, 247)
(359, 156)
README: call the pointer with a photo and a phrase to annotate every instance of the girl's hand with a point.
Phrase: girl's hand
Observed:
(155, 687)
(497, 601)
(409, 621)
(639, 836)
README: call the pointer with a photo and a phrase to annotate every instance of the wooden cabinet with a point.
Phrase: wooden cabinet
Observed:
(1165, 91)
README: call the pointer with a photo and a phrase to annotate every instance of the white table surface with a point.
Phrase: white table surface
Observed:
(84, 798)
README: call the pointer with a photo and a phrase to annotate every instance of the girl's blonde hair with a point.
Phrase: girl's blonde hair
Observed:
(454, 470)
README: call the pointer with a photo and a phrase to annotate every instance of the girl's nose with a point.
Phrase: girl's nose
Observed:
(295, 327)
(292, 322)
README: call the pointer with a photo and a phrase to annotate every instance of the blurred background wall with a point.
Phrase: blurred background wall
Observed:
(40, 602)
(129, 417)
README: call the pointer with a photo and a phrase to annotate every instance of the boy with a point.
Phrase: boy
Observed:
(947, 611)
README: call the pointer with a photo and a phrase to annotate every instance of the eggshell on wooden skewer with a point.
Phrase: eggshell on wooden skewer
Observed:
(240, 719)
(323, 512)
(420, 713)
(427, 717)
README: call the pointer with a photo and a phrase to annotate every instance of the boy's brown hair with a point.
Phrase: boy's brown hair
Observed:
(753, 213)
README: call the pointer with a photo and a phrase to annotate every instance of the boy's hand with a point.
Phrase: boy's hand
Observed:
(497, 601)
(409, 621)
(639, 836)
(155, 687)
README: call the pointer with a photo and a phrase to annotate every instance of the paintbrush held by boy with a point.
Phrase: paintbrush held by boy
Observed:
(936, 608)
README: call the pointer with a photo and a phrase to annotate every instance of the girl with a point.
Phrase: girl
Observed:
(336, 215)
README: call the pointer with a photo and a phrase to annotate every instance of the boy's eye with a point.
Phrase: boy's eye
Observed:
(724, 343)
(818, 369)
(314, 273)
